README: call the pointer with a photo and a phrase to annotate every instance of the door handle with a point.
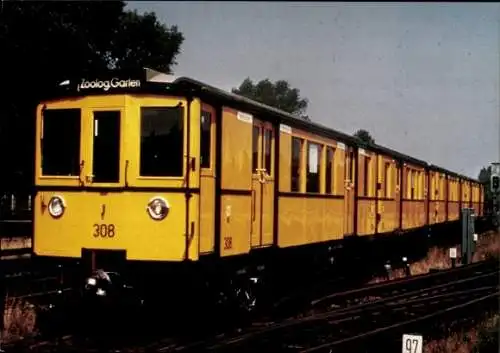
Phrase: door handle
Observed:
(253, 205)
(82, 164)
(262, 177)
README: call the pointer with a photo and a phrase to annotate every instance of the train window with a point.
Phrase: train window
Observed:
(296, 162)
(255, 148)
(162, 141)
(416, 185)
(205, 138)
(61, 142)
(420, 186)
(441, 187)
(366, 180)
(409, 188)
(387, 179)
(330, 170)
(106, 146)
(268, 135)
(413, 182)
(353, 166)
(313, 167)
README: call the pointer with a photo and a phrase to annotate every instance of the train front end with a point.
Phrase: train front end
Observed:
(116, 185)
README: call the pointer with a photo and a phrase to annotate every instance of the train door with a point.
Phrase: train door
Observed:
(207, 179)
(105, 147)
(383, 192)
(349, 187)
(263, 172)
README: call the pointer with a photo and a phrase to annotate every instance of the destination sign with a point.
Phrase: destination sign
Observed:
(106, 85)
(116, 81)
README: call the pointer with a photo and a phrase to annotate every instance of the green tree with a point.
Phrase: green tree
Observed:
(364, 136)
(277, 94)
(484, 178)
(44, 42)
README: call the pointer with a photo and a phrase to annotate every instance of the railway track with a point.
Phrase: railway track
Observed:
(360, 320)
(332, 320)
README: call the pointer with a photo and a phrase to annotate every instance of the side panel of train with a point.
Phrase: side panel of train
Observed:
(439, 203)
(414, 199)
(316, 188)
(287, 187)
(378, 193)
(453, 199)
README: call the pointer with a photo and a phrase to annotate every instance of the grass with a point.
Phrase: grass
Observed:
(480, 339)
(19, 320)
(488, 246)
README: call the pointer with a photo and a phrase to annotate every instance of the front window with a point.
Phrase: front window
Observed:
(61, 142)
(162, 141)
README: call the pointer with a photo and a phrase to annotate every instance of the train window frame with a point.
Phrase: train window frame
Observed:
(206, 138)
(398, 175)
(256, 147)
(265, 158)
(415, 185)
(75, 169)
(367, 175)
(387, 179)
(330, 180)
(182, 122)
(297, 174)
(310, 166)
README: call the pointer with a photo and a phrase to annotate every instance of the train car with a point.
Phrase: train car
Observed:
(162, 179)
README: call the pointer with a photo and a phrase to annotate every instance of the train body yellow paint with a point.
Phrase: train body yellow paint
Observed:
(178, 171)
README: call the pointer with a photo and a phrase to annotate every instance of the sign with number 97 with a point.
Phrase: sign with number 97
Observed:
(104, 230)
(412, 344)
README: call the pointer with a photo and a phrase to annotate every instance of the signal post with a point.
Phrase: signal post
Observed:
(495, 191)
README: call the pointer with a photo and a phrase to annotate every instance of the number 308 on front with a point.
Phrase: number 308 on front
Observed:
(104, 230)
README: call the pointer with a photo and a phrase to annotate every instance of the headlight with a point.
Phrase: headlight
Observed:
(56, 206)
(158, 208)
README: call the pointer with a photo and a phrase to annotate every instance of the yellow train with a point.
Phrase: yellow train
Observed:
(139, 170)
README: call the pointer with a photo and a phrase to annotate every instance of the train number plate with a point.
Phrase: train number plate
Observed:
(103, 230)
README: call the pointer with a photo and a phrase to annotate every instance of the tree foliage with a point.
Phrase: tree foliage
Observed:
(277, 94)
(484, 178)
(44, 42)
(364, 136)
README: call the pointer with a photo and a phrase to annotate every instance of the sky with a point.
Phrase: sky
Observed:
(422, 78)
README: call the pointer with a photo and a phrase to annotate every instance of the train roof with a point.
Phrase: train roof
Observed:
(289, 119)
(145, 80)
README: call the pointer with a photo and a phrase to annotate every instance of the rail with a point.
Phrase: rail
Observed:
(353, 322)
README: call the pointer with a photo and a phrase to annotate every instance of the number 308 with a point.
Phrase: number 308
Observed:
(104, 230)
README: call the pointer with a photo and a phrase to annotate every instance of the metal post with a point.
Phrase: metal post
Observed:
(388, 270)
(3, 293)
(453, 257)
(465, 232)
(472, 230)
(407, 266)
(495, 190)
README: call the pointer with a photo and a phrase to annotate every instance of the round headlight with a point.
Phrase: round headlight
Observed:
(56, 206)
(158, 208)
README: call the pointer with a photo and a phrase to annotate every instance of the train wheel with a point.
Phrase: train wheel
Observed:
(246, 294)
